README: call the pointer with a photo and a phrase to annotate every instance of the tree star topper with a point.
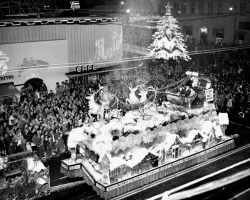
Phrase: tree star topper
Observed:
(168, 9)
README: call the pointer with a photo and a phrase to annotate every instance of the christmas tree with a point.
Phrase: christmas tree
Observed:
(167, 40)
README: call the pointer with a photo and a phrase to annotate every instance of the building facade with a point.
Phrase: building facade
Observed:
(204, 21)
(44, 52)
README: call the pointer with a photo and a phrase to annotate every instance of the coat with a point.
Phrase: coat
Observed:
(61, 143)
(35, 139)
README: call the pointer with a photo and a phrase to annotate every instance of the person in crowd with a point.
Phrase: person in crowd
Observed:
(61, 145)
(48, 145)
(18, 139)
(28, 146)
(11, 148)
(40, 147)
(30, 88)
(2, 146)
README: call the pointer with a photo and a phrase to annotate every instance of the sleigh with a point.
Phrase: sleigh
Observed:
(176, 98)
(136, 105)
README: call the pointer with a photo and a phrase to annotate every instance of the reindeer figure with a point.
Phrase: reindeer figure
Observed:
(105, 98)
(94, 107)
(144, 91)
(143, 95)
(132, 97)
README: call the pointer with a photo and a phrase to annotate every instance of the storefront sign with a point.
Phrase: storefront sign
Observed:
(26, 64)
(209, 95)
(85, 68)
(4, 78)
(3, 60)
(33, 76)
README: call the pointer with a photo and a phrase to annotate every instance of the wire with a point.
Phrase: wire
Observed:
(117, 61)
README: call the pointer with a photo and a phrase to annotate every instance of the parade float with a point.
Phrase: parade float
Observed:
(152, 132)
(23, 176)
(116, 152)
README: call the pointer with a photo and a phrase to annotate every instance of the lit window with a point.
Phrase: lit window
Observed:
(210, 7)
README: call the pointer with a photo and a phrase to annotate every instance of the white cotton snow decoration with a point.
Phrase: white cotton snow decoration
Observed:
(102, 144)
(128, 118)
(191, 135)
(40, 181)
(34, 167)
(39, 166)
(207, 127)
(30, 163)
(223, 119)
(218, 132)
(128, 156)
(75, 136)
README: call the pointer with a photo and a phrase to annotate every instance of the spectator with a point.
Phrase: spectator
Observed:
(48, 145)
(11, 148)
(30, 88)
(61, 145)
(2, 147)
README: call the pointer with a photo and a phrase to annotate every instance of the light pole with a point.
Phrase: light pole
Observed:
(234, 7)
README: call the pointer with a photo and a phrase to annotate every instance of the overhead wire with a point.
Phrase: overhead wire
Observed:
(119, 61)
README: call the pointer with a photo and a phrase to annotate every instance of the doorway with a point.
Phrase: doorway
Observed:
(203, 36)
(36, 84)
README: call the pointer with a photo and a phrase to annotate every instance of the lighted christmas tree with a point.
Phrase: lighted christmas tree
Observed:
(168, 40)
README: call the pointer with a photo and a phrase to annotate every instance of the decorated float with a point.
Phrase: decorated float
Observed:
(23, 176)
(152, 132)
(117, 152)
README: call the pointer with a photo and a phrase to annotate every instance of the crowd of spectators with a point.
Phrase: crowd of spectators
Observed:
(41, 121)
(230, 75)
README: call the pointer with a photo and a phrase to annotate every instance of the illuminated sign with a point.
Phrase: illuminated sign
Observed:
(3, 60)
(33, 76)
(74, 5)
(3, 78)
(85, 68)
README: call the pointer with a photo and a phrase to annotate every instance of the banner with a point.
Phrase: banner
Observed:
(209, 95)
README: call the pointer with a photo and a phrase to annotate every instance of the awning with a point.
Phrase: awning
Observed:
(8, 89)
